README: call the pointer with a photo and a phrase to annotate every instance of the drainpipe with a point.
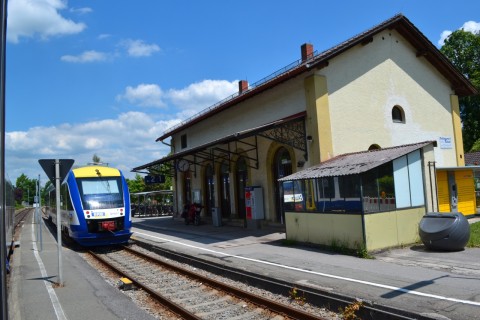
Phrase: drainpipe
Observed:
(363, 214)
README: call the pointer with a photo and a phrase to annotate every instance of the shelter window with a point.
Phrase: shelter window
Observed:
(398, 115)
(379, 189)
(393, 185)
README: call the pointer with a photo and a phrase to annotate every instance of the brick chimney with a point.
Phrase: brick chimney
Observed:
(242, 86)
(307, 51)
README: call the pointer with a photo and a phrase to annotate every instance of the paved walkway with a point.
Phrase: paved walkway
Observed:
(34, 294)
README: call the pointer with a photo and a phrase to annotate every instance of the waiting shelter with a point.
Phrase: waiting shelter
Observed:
(373, 199)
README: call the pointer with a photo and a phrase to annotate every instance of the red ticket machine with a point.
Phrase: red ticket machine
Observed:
(254, 203)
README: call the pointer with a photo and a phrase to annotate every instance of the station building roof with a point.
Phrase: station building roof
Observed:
(424, 48)
(472, 158)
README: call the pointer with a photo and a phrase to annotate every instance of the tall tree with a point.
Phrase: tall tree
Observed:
(96, 159)
(28, 189)
(463, 50)
(136, 185)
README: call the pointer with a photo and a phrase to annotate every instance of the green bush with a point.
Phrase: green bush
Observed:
(474, 241)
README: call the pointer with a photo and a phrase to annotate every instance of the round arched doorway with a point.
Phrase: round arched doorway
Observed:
(282, 167)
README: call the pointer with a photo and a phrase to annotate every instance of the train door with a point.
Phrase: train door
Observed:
(282, 167)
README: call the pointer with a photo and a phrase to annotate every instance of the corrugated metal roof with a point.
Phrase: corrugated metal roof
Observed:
(355, 163)
(472, 158)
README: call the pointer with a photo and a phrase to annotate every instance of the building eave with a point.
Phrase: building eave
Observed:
(460, 85)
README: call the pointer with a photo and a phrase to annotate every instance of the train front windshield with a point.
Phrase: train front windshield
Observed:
(101, 193)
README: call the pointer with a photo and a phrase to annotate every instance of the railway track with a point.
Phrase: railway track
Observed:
(20, 217)
(190, 294)
(317, 297)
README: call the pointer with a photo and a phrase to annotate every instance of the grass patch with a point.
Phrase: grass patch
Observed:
(474, 241)
(289, 243)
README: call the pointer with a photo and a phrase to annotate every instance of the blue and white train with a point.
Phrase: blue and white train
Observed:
(94, 205)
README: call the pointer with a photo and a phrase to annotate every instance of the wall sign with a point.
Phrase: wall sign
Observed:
(445, 143)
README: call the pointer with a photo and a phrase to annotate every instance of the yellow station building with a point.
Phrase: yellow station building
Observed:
(381, 108)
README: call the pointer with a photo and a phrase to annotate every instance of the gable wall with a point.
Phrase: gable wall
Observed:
(367, 81)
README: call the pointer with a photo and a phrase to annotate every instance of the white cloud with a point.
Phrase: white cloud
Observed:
(189, 100)
(84, 10)
(135, 48)
(138, 48)
(28, 18)
(104, 36)
(200, 95)
(144, 95)
(469, 26)
(124, 142)
(85, 57)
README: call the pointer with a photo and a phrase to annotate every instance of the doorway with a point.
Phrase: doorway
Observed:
(282, 167)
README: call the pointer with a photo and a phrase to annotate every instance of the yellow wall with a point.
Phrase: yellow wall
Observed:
(395, 228)
(383, 230)
(466, 192)
(443, 194)
(465, 189)
(318, 119)
(457, 130)
(323, 228)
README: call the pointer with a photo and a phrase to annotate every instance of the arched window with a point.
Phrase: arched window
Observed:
(374, 147)
(398, 115)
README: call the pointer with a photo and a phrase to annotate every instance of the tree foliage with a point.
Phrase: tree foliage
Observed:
(25, 189)
(463, 50)
(136, 185)
(476, 146)
(96, 159)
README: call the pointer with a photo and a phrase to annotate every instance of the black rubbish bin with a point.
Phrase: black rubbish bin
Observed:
(444, 231)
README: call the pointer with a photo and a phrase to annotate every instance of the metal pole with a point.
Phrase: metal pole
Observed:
(3, 240)
(59, 221)
(40, 210)
(37, 220)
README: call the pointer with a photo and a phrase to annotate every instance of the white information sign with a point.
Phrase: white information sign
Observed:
(445, 143)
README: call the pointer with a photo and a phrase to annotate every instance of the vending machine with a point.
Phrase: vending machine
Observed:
(254, 203)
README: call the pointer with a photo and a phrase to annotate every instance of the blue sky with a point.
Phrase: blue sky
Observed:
(108, 77)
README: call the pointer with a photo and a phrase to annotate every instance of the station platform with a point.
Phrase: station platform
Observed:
(34, 293)
(442, 284)
(436, 285)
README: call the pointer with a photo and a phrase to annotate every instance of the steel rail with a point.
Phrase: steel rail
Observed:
(22, 214)
(318, 297)
(179, 310)
(239, 293)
